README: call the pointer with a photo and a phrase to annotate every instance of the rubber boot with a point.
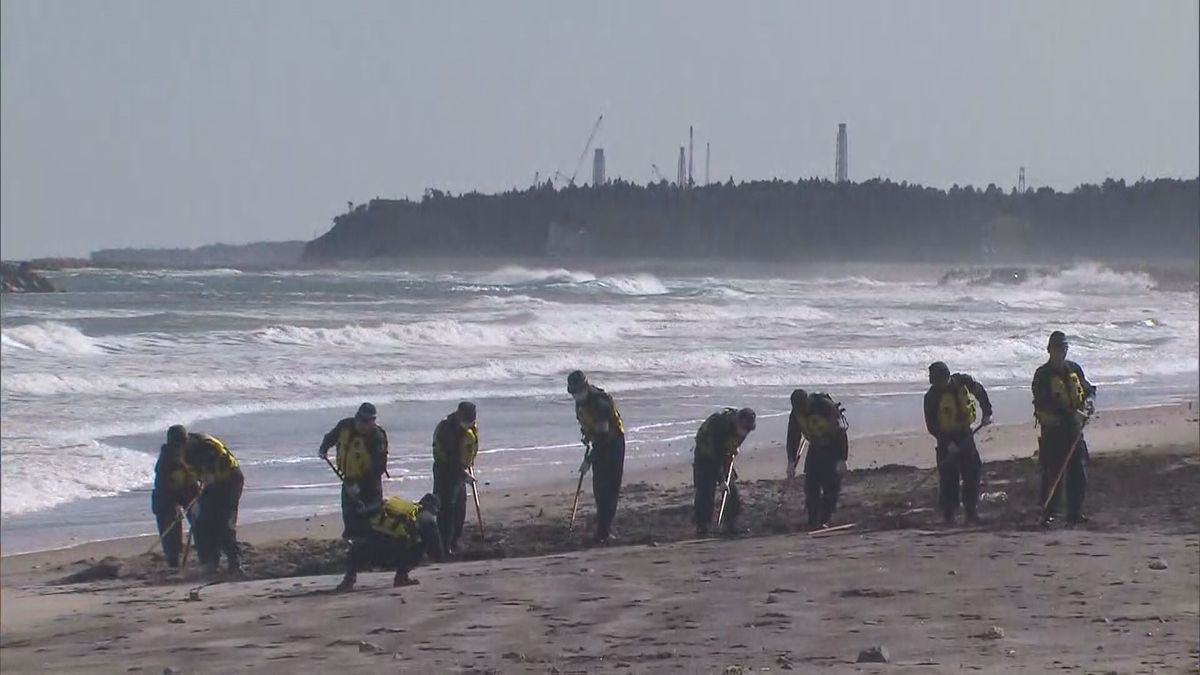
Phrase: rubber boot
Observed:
(347, 583)
(402, 579)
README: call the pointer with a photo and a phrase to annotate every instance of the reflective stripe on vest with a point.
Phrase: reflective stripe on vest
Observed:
(224, 462)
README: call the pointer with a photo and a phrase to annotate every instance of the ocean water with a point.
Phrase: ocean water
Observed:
(270, 361)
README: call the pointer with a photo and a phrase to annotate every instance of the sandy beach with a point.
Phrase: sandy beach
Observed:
(1005, 596)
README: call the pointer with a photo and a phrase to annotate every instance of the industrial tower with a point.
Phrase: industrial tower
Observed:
(841, 170)
(598, 168)
(680, 181)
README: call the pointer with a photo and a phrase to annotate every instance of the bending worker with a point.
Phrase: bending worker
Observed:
(949, 414)
(819, 419)
(455, 445)
(399, 533)
(717, 443)
(176, 486)
(1063, 400)
(221, 484)
(361, 462)
(603, 437)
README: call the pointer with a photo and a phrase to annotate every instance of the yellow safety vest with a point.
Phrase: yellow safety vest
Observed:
(591, 425)
(955, 411)
(353, 459)
(1067, 390)
(396, 519)
(732, 443)
(224, 463)
(816, 427)
(468, 449)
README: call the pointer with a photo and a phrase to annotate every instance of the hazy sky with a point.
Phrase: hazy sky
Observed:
(182, 123)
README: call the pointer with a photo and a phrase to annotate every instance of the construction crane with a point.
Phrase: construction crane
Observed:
(657, 173)
(586, 147)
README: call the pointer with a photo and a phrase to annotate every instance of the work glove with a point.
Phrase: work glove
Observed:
(468, 478)
(724, 485)
(841, 467)
(323, 453)
(1089, 406)
(585, 465)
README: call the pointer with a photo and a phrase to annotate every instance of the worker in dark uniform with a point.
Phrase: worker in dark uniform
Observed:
(949, 416)
(455, 445)
(399, 534)
(603, 436)
(717, 443)
(361, 461)
(176, 486)
(1063, 401)
(821, 420)
(221, 484)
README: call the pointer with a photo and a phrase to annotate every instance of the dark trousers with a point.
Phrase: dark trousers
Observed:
(216, 526)
(451, 491)
(354, 523)
(402, 555)
(608, 468)
(168, 512)
(963, 465)
(822, 485)
(706, 475)
(1053, 447)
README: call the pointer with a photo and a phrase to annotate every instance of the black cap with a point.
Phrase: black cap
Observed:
(466, 411)
(799, 396)
(176, 434)
(1057, 339)
(939, 368)
(576, 381)
(430, 502)
(366, 411)
(746, 419)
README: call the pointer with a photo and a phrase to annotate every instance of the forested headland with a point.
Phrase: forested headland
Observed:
(876, 220)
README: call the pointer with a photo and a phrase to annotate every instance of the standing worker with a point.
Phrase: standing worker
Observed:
(455, 445)
(603, 436)
(949, 416)
(361, 461)
(1063, 401)
(221, 484)
(399, 533)
(717, 443)
(821, 420)
(176, 486)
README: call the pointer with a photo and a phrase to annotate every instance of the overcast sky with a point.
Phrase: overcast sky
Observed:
(168, 123)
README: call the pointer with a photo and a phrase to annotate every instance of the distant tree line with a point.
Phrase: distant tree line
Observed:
(876, 220)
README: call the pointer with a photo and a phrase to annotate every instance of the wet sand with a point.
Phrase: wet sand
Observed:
(535, 598)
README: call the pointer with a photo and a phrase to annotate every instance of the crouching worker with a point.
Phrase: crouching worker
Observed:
(175, 489)
(400, 534)
(221, 484)
(717, 444)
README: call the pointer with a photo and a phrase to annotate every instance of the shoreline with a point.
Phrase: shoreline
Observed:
(991, 597)
(1112, 430)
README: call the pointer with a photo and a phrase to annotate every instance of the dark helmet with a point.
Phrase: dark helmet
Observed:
(939, 371)
(466, 411)
(799, 396)
(1057, 339)
(366, 412)
(746, 419)
(430, 502)
(576, 381)
(176, 434)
